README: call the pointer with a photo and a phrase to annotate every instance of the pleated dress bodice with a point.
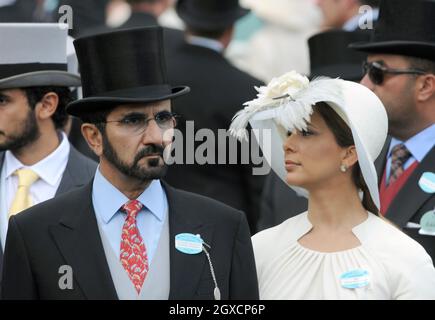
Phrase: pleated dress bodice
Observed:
(387, 265)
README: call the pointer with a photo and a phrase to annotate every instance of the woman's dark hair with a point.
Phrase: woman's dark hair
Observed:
(343, 137)
(35, 95)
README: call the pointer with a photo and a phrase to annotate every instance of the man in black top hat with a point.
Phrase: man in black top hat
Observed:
(400, 69)
(218, 91)
(127, 234)
(329, 56)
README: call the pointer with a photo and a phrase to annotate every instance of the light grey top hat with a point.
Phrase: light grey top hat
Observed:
(34, 54)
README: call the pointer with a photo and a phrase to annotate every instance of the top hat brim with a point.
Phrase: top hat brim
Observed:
(40, 79)
(202, 21)
(84, 106)
(418, 49)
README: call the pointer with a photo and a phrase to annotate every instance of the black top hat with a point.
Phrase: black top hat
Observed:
(126, 66)
(404, 27)
(210, 14)
(331, 57)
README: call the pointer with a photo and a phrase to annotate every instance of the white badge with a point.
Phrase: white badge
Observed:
(188, 243)
(427, 223)
(427, 182)
(354, 279)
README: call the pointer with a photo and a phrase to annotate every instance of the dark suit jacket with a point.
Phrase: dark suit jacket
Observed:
(411, 203)
(20, 11)
(218, 91)
(79, 170)
(64, 231)
(279, 202)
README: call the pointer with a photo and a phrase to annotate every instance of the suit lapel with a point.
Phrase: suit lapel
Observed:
(79, 242)
(411, 197)
(2, 158)
(74, 175)
(185, 270)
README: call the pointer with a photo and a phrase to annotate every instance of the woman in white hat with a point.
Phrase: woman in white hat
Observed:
(325, 137)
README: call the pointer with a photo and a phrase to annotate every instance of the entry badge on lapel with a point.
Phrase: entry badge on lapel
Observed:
(189, 243)
(427, 223)
(427, 182)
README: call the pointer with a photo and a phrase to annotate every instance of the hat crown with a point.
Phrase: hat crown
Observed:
(121, 60)
(33, 43)
(210, 7)
(209, 14)
(406, 20)
(330, 55)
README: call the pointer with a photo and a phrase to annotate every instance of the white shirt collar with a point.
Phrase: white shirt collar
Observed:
(48, 169)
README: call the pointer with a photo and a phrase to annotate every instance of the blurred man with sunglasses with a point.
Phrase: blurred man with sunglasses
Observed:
(400, 69)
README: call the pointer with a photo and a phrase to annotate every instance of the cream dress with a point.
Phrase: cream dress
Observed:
(387, 265)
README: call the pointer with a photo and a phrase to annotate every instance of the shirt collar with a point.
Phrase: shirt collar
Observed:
(205, 42)
(419, 145)
(49, 169)
(107, 199)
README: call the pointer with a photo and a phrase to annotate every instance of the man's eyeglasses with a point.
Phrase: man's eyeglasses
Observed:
(376, 71)
(136, 123)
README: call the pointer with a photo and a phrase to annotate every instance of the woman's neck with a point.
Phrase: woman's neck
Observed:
(335, 207)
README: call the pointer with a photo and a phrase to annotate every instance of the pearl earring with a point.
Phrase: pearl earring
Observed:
(343, 168)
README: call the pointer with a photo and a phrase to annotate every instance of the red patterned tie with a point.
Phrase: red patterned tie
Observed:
(133, 252)
(399, 155)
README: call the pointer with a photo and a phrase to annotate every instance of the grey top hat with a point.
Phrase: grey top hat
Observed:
(34, 54)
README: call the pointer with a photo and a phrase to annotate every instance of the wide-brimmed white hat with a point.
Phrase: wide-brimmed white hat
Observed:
(286, 104)
(34, 54)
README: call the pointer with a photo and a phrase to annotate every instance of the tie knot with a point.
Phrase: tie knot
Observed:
(400, 153)
(132, 208)
(26, 177)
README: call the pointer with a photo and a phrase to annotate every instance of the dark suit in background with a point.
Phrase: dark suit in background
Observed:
(86, 15)
(218, 91)
(20, 11)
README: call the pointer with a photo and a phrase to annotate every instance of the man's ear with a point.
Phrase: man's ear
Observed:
(425, 87)
(45, 108)
(93, 137)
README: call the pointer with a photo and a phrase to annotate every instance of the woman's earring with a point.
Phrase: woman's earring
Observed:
(343, 168)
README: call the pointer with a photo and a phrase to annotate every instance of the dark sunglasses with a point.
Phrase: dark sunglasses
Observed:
(376, 71)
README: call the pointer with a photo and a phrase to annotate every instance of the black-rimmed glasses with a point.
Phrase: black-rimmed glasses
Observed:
(136, 123)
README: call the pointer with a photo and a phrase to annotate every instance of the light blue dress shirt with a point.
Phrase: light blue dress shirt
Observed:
(107, 200)
(419, 146)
